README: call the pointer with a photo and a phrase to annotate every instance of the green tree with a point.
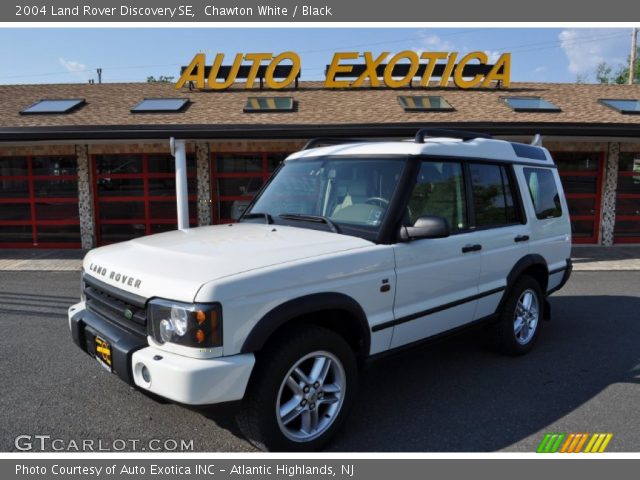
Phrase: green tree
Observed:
(605, 73)
(160, 79)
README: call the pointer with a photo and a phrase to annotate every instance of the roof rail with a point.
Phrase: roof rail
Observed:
(317, 142)
(443, 132)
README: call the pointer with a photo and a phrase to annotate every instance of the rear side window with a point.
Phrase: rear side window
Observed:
(544, 193)
(492, 196)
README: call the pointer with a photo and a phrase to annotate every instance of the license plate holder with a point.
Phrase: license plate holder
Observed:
(103, 352)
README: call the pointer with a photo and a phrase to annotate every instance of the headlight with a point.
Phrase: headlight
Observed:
(191, 325)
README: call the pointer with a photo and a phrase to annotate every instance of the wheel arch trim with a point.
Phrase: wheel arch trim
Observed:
(307, 305)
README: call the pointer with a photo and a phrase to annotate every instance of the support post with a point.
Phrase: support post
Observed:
(179, 151)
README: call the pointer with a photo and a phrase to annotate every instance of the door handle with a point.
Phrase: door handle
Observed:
(521, 238)
(471, 248)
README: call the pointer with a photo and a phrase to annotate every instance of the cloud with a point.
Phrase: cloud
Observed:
(585, 48)
(76, 68)
(493, 55)
(433, 43)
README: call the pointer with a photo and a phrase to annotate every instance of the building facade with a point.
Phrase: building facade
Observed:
(101, 172)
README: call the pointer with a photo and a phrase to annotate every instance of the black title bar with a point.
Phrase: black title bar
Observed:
(183, 11)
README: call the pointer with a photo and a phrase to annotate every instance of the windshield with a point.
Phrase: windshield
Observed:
(349, 195)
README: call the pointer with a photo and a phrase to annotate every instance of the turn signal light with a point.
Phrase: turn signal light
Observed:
(200, 336)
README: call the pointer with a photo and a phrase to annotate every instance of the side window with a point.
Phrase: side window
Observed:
(544, 192)
(492, 196)
(439, 191)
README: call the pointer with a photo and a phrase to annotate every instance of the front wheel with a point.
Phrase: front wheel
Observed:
(300, 392)
(520, 319)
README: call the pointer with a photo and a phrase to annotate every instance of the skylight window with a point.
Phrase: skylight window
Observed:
(54, 106)
(424, 103)
(531, 104)
(269, 104)
(622, 105)
(160, 105)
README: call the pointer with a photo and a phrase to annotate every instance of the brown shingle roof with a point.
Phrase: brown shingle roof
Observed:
(110, 104)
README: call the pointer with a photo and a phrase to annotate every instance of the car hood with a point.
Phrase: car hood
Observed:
(176, 264)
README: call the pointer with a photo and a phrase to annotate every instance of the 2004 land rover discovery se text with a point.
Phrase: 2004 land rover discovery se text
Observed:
(350, 250)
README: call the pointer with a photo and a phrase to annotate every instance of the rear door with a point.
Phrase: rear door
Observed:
(501, 230)
(436, 278)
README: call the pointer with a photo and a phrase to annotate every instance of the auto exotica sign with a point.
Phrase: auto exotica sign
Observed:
(350, 70)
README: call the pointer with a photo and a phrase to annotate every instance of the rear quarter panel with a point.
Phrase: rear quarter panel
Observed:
(550, 237)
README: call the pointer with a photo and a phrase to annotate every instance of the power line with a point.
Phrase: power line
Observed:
(521, 48)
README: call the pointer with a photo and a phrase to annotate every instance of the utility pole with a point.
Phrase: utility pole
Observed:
(632, 57)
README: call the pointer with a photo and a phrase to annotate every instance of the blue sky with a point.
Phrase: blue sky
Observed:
(68, 55)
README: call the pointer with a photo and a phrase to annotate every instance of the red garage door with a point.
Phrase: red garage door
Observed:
(236, 178)
(134, 195)
(581, 175)
(39, 202)
(627, 228)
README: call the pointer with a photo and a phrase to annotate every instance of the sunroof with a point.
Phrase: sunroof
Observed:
(424, 103)
(160, 105)
(63, 105)
(531, 104)
(622, 105)
(269, 104)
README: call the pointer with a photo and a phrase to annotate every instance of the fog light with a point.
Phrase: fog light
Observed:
(166, 330)
(146, 374)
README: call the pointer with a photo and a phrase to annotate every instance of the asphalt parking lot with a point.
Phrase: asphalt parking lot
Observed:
(453, 395)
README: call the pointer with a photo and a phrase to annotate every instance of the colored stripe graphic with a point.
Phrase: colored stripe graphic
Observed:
(574, 442)
(551, 443)
(581, 442)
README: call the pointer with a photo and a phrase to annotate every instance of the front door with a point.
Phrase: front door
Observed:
(437, 279)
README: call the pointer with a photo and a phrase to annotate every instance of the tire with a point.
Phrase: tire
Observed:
(517, 330)
(289, 404)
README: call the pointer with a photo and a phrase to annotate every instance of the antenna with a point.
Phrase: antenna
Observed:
(537, 140)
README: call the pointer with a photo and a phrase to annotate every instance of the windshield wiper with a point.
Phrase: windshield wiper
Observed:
(311, 218)
(268, 219)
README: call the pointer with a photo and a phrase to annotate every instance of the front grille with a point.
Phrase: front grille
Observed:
(115, 305)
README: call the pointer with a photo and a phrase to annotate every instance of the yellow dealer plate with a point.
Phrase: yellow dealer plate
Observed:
(103, 352)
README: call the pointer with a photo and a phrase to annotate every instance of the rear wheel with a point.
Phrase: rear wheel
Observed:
(520, 319)
(300, 392)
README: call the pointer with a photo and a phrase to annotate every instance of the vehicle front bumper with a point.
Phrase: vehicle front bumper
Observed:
(175, 377)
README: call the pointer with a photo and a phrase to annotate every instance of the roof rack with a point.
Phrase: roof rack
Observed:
(317, 142)
(443, 132)
(419, 138)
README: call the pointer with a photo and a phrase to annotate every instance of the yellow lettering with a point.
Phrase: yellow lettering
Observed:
(198, 64)
(458, 77)
(446, 75)
(391, 82)
(257, 59)
(505, 62)
(215, 68)
(432, 58)
(268, 76)
(370, 69)
(335, 67)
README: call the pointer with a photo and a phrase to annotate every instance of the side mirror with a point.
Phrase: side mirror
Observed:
(427, 226)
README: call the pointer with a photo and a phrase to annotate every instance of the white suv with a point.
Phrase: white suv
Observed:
(349, 251)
